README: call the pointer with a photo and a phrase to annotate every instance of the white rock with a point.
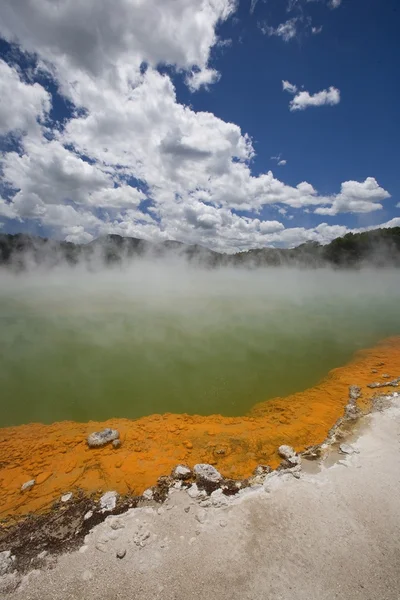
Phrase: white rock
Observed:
(100, 438)
(286, 452)
(88, 515)
(87, 575)
(148, 494)
(193, 491)
(66, 497)
(42, 555)
(121, 553)
(223, 523)
(28, 485)
(207, 473)
(219, 499)
(108, 501)
(6, 562)
(181, 472)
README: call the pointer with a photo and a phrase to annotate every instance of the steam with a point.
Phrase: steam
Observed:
(166, 336)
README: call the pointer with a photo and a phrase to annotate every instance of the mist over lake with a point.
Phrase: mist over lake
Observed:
(157, 337)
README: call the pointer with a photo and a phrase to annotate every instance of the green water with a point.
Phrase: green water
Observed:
(155, 339)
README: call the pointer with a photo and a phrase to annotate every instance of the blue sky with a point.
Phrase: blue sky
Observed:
(160, 119)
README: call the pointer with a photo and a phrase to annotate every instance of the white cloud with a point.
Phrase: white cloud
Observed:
(282, 163)
(21, 104)
(356, 197)
(287, 31)
(203, 78)
(335, 3)
(130, 140)
(253, 6)
(316, 30)
(110, 40)
(304, 99)
(288, 87)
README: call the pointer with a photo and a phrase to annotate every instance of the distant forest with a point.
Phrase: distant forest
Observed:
(377, 248)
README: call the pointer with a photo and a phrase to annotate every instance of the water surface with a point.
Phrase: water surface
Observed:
(157, 338)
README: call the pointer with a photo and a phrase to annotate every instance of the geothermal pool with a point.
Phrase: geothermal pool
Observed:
(156, 338)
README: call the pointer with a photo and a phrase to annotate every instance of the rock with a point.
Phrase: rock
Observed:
(223, 523)
(116, 443)
(87, 575)
(42, 555)
(354, 392)
(108, 501)
(194, 491)
(6, 562)
(219, 499)
(181, 472)
(101, 438)
(121, 553)
(66, 497)
(286, 452)
(148, 494)
(28, 485)
(351, 411)
(208, 473)
(262, 470)
(385, 376)
(88, 515)
(347, 449)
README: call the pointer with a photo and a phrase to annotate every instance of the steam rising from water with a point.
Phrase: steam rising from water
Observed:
(167, 337)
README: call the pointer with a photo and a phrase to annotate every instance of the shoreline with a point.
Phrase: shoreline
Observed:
(339, 513)
(58, 458)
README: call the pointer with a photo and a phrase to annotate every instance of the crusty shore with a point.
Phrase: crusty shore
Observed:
(331, 531)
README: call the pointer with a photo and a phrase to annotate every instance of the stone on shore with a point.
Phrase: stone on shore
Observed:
(66, 497)
(108, 501)
(28, 485)
(181, 472)
(286, 452)
(207, 473)
(101, 438)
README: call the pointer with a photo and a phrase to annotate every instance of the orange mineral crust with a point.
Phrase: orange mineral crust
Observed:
(59, 459)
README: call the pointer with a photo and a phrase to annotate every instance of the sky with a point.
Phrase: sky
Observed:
(230, 124)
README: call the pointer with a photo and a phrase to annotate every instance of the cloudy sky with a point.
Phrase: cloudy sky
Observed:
(230, 124)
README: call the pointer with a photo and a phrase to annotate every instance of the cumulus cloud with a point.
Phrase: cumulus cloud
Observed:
(131, 159)
(356, 197)
(22, 105)
(114, 38)
(304, 99)
(203, 78)
(335, 3)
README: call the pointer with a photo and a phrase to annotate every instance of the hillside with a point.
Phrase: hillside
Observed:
(378, 248)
